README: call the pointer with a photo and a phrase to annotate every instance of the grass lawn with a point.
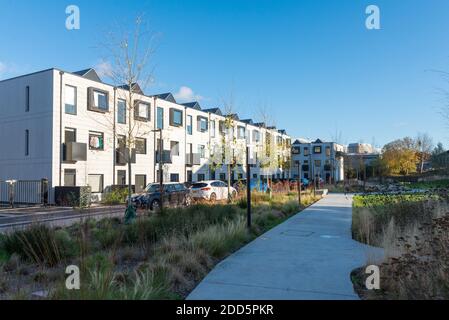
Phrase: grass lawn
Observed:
(159, 256)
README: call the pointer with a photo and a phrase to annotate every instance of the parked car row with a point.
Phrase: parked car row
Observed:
(179, 195)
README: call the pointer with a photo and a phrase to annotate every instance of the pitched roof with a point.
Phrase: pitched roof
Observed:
(166, 96)
(193, 105)
(234, 116)
(216, 111)
(282, 131)
(261, 124)
(248, 121)
(90, 74)
(135, 88)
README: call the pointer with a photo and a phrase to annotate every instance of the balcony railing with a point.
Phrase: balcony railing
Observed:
(122, 156)
(193, 159)
(166, 156)
(74, 151)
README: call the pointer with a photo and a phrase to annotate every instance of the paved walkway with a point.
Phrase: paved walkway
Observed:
(310, 256)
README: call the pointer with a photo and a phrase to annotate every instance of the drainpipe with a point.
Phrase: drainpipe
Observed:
(61, 73)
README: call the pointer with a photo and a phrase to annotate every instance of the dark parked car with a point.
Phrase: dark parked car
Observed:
(174, 195)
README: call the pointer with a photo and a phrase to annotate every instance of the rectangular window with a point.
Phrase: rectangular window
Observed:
(203, 125)
(241, 132)
(189, 125)
(296, 150)
(328, 151)
(317, 163)
(201, 177)
(223, 176)
(174, 148)
(121, 177)
(141, 146)
(98, 100)
(121, 111)
(256, 136)
(176, 117)
(212, 128)
(27, 143)
(317, 149)
(69, 136)
(27, 99)
(141, 182)
(174, 177)
(141, 111)
(160, 118)
(96, 141)
(222, 127)
(95, 181)
(306, 151)
(70, 177)
(70, 100)
(189, 176)
(202, 151)
(248, 136)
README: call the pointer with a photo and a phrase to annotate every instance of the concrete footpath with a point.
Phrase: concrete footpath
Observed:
(308, 257)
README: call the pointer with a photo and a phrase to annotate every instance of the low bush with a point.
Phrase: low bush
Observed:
(40, 244)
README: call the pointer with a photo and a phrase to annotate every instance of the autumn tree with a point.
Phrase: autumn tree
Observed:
(400, 156)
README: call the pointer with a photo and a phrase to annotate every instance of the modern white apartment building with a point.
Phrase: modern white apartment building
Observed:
(69, 128)
(318, 158)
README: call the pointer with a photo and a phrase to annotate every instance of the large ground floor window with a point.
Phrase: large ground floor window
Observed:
(70, 177)
(95, 181)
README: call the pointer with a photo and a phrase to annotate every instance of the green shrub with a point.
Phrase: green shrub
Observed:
(291, 207)
(115, 197)
(39, 244)
(219, 240)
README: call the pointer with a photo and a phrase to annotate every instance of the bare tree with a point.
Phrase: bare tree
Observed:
(268, 150)
(424, 144)
(128, 52)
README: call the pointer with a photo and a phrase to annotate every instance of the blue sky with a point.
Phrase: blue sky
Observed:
(313, 64)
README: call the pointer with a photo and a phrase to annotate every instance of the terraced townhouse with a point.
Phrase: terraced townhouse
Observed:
(318, 159)
(70, 127)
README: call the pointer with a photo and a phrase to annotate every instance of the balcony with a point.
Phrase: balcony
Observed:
(166, 157)
(122, 156)
(193, 159)
(74, 151)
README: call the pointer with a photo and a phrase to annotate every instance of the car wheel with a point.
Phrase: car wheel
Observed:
(213, 197)
(155, 205)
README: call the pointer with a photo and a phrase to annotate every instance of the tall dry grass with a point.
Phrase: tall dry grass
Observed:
(416, 242)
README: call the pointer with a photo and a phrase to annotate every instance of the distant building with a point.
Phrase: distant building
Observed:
(361, 148)
(359, 160)
(318, 158)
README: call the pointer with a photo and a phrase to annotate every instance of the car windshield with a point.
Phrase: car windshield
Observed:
(199, 185)
(153, 188)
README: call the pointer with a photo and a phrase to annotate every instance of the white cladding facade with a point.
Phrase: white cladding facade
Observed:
(318, 158)
(44, 112)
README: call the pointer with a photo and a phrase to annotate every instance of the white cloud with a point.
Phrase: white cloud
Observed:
(3, 68)
(104, 69)
(186, 94)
